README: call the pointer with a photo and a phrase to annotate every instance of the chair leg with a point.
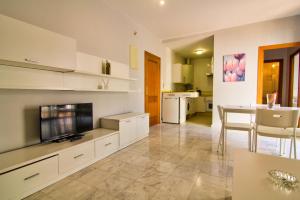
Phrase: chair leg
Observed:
(224, 141)
(284, 145)
(291, 147)
(280, 147)
(249, 140)
(255, 142)
(220, 140)
(295, 148)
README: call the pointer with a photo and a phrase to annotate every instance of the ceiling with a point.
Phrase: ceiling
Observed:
(188, 50)
(181, 18)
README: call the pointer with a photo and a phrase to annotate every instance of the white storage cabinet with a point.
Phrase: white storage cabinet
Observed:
(132, 126)
(182, 74)
(26, 45)
(19, 183)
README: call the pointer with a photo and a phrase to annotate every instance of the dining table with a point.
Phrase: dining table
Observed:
(247, 109)
(251, 179)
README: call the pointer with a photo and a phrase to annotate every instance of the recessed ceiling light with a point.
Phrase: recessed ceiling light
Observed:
(199, 51)
(162, 2)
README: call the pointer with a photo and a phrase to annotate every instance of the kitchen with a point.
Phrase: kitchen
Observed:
(190, 100)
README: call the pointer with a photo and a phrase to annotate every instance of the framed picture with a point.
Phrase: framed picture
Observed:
(234, 67)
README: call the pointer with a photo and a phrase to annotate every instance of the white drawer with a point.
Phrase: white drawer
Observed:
(106, 146)
(75, 157)
(28, 179)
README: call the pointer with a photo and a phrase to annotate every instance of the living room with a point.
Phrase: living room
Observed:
(115, 58)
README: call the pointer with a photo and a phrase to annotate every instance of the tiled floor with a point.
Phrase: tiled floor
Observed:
(204, 119)
(175, 162)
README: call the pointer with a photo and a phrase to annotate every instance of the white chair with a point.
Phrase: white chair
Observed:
(246, 127)
(276, 123)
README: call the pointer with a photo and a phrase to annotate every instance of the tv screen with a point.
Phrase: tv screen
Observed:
(60, 121)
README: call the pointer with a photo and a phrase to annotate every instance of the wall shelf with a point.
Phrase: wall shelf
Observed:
(103, 75)
(65, 89)
(105, 90)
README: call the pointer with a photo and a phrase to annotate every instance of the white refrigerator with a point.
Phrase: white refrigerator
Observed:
(174, 109)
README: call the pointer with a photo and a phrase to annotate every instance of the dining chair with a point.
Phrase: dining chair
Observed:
(245, 127)
(297, 133)
(276, 123)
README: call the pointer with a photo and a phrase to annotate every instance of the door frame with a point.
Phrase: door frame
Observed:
(279, 99)
(261, 56)
(148, 54)
(291, 78)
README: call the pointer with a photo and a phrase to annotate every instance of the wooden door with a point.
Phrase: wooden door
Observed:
(152, 87)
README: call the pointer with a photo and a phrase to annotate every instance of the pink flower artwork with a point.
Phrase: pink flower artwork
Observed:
(234, 67)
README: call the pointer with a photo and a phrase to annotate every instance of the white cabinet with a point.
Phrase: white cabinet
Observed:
(28, 179)
(76, 157)
(106, 146)
(132, 126)
(88, 63)
(128, 132)
(26, 45)
(200, 104)
(188, 74)
(142, 126)
(183, 74)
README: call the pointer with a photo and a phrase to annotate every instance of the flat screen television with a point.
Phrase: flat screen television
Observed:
(64, 121)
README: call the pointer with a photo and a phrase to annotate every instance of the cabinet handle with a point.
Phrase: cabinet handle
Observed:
(31, 61)
(108, 144)
(78, 156)
(32, 176)
(128, 121)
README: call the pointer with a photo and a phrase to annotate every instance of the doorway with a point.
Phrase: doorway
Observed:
(272, 79)
(283, 83)
(294, 89)
(152, 87)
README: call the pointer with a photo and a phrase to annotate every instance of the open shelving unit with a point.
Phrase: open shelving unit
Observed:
(86, 77)
(103, 75)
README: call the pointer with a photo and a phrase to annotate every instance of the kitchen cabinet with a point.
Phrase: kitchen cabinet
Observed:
(26, 45)
(200, 104)
(183, 74)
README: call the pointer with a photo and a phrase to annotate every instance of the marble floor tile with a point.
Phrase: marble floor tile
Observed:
(176, 162)
(73, 190)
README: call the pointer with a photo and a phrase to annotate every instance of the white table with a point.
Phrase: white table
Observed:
(251, 109)
(250, 176)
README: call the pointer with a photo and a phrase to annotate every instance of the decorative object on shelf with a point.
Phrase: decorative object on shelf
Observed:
(106, 69)
(105, 82)
(234, 67)
(271, 99)
(133, 57)
(284, 180)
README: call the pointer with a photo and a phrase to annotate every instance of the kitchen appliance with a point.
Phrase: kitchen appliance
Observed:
(59, 122)
(209, 104)
(174, 106)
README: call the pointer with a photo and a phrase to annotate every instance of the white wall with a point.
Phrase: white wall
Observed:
(99, 30)
(201, 81)
(247, 39)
